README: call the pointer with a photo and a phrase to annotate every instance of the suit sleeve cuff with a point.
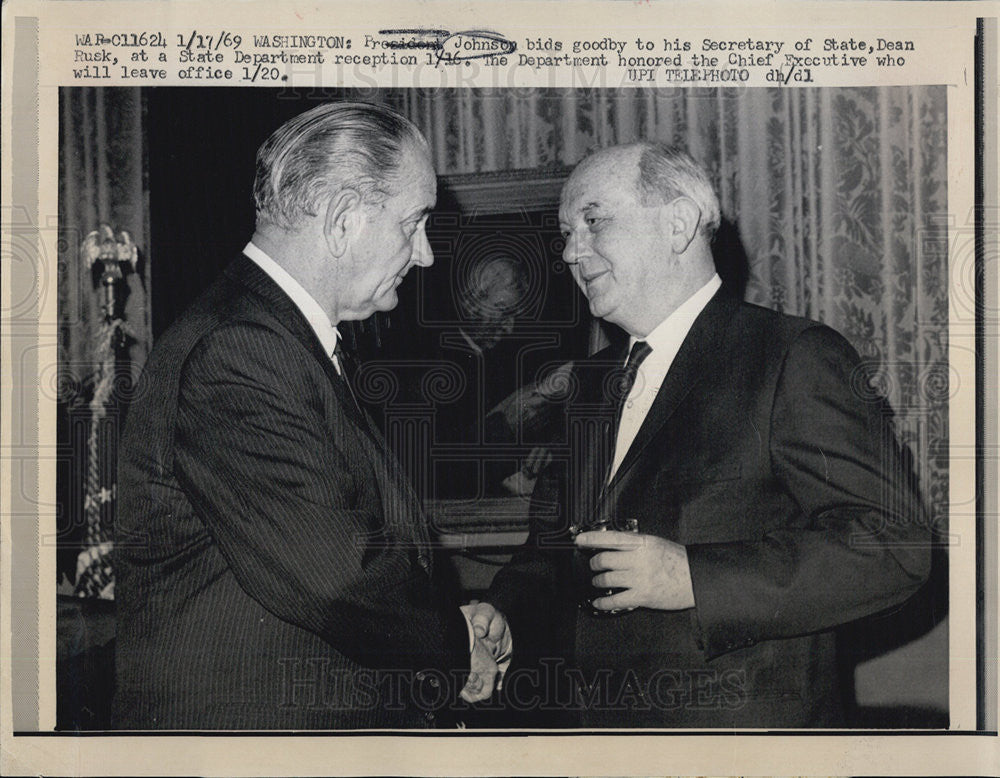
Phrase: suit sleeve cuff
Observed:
(714, 633)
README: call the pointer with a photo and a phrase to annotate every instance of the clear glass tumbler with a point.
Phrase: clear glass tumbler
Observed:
(584, 576)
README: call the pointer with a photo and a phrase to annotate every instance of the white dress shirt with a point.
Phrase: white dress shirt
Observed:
(665, 341)
(325, 330)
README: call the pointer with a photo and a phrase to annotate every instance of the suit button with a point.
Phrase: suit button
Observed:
(421, 676)
(423, 561)
(434, 683)
(430, 717)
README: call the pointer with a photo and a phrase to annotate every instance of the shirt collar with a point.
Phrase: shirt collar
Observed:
(670, 333)
(318, 320)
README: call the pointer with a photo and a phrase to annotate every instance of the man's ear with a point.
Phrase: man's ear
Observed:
(684, 218)
(341, 220)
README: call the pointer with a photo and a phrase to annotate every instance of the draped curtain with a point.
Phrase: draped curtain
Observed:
(839, 198)
(102, 180)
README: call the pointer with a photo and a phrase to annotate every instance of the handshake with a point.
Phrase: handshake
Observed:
(491, 651)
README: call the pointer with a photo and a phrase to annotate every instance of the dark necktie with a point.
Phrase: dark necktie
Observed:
(348, 370)
(623, 387)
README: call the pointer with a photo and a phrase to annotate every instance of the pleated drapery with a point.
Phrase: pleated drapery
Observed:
(102, 181)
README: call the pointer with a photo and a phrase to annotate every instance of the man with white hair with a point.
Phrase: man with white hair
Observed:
(727, 495)
(274, 566)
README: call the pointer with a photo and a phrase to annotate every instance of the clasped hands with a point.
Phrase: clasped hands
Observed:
(652, 572)
(491, 651)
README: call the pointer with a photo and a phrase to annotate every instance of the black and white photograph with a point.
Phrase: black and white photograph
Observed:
(537, 387)
(536, 409)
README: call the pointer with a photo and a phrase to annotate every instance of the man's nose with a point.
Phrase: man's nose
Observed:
(422, 254)
(577, 248)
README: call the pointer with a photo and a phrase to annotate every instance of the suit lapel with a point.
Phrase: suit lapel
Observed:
(695, 357)
(279, 305)
(248, 273)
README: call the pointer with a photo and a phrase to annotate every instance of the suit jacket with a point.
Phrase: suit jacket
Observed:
(766, 454)
(273, 566)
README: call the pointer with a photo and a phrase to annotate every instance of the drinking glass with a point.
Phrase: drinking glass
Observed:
(584, 576)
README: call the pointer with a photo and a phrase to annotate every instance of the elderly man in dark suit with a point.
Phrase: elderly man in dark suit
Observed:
(728, 494)
(274, 566)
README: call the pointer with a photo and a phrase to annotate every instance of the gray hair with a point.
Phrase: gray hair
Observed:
(325, 149)
(667, 172)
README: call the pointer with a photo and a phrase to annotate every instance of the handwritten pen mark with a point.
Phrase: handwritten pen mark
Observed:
(415, 31)
(495, 45)
(436, 38)
(467, 44)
